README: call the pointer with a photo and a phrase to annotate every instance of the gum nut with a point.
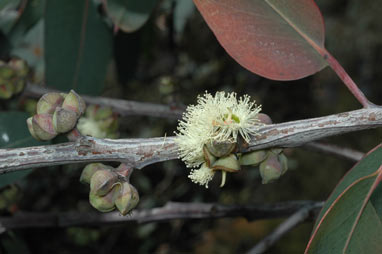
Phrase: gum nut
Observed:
(20, 66)
(229, 163)
(105, 203)
(270, 170)
(253, 158)
(208, 157)
(264, 118)
(6, 90)
(30, 128)
(48, 103)
(64, 120)
(102, 181)
(43, 126)
(220, 149)
(284, 163)
(128, 198)
(6, 72)
(89, 170)
(74, 102)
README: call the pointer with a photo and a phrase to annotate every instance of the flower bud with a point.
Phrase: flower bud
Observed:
(6, 72)
(105, 203)
(229, 163)
(43, 127)
(127, 199)
(253, 158)
(89, 171)
(264, 118)
(220, 149)
(74, 102)
(20, 66)
(30, 127)
(103, 181)
(48, 103)
(271, 169)
(64, 120)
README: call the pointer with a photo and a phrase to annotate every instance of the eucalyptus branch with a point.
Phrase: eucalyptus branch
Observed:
(122, 107)
(298, 217)
(171, 211)
(138, 153)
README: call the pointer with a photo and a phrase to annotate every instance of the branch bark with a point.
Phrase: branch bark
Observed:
(171, 211)
(138, 153)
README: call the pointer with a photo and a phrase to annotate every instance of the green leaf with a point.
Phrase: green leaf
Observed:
(129, 15)
(78, 46)
(350, 221)
(14, 133)
(277, 39)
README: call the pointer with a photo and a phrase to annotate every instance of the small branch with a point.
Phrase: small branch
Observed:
(346, 79)
(300, 216)
(341, 152)
(122, 107)
(137, 153)
(170, 211)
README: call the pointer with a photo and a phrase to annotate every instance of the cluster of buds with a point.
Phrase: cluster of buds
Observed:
(13, 77)
(272, 163)
(56, 113)
(99, 122)
(110, 188)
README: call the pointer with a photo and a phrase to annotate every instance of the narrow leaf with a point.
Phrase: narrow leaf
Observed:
(277, 39)
(349, 222)
(77, 46)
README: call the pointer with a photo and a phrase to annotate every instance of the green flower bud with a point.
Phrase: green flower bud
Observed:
(105, 203)
(43, 127)
(48, 103)
(103, 181)
(253, 158)
(64, 120)
(220, 149)
(128, 198)
(89, 171)
(229, 163)
(272, 168)
(74, 102)
(6, 72)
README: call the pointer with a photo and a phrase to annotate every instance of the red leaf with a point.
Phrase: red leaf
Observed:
(277, 39)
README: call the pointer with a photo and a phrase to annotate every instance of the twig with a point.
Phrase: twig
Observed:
(122, 107)
(171, 211)
(300, 216)
(341, 152)
(137, 153)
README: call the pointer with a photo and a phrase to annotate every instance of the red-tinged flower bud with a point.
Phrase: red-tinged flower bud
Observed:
(74, 102)
(43, 127)
(272, 168)
(49, 102)
(264, 118)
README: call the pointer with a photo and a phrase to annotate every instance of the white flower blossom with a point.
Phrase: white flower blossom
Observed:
(201, 176)
(217, 118)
